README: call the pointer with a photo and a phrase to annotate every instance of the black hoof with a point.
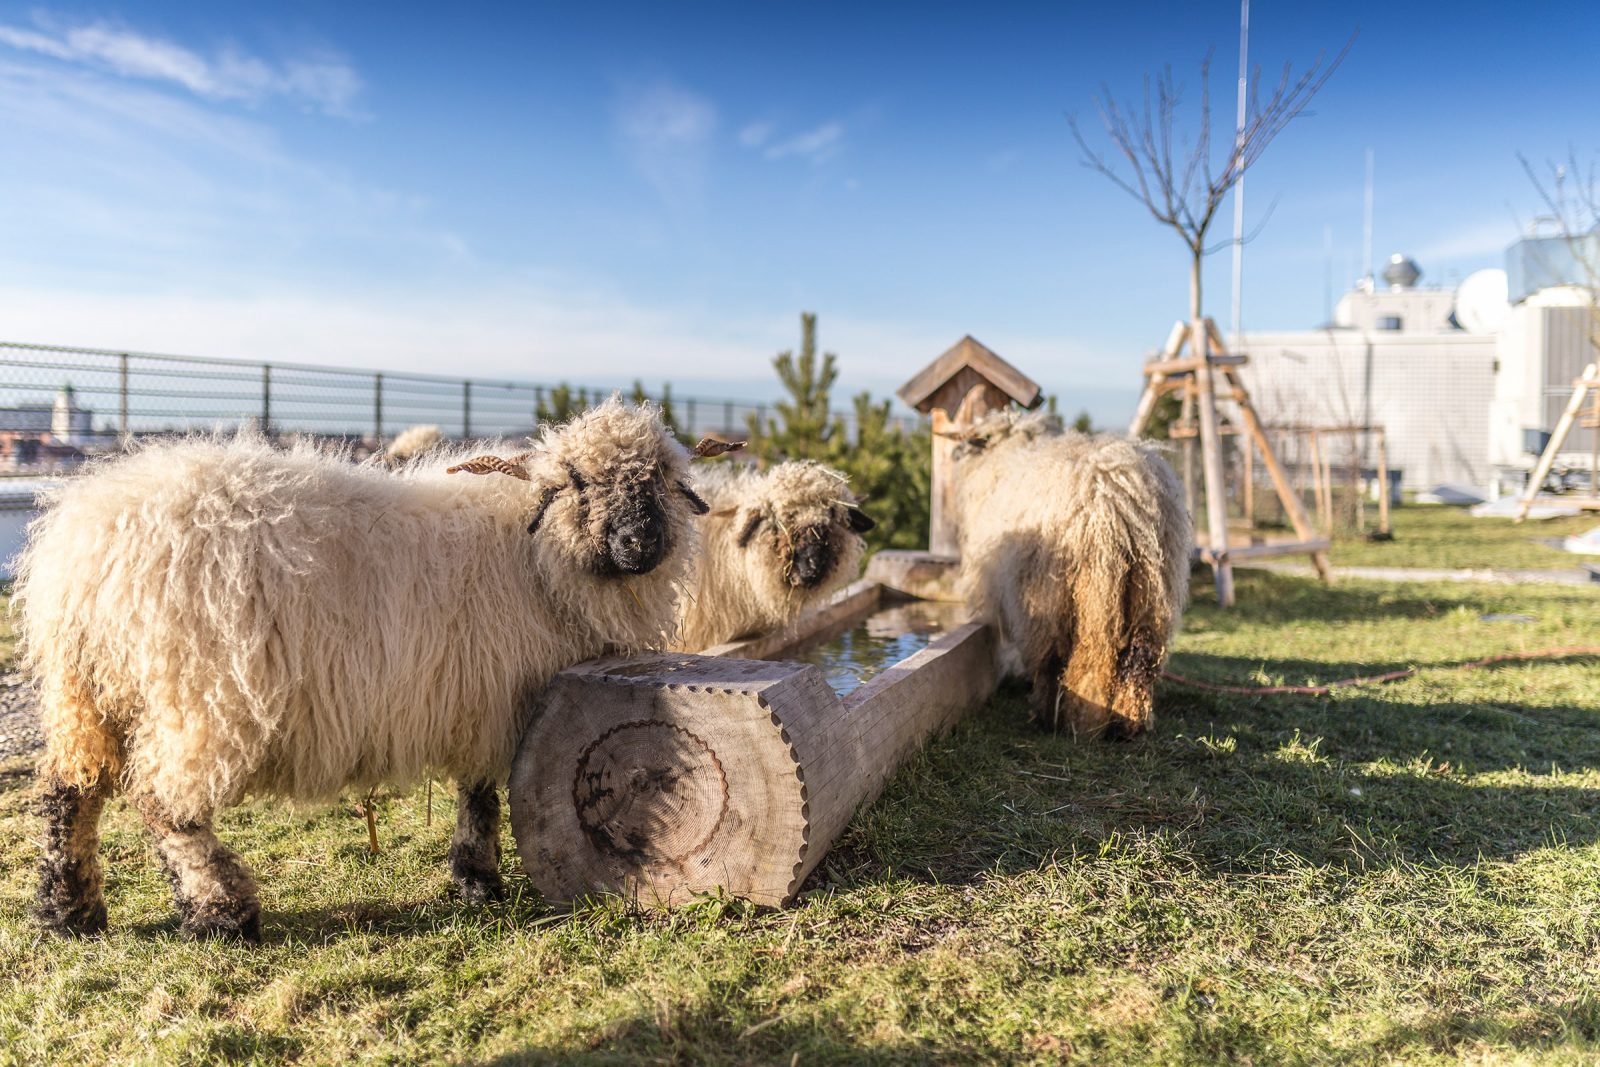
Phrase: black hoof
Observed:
(480, 887)
(239, 923)
(82, 920)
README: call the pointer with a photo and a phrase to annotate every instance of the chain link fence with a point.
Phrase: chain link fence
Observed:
(59, 404)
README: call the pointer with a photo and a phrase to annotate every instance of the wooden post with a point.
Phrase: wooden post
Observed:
(1211, 467)
(1186, 423)
(1316, 479)
(1563, 427)
(1383, 481)
(666, 776)
(1249, 486)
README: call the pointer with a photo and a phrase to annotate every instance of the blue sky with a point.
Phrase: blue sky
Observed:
(596, 192)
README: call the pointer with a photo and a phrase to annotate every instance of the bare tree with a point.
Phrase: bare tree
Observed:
(1181, 185)
(1570, 193)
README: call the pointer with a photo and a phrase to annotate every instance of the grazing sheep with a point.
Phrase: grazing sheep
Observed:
(776, 542)
(412, 443)
(208, 618)
(1077, 548)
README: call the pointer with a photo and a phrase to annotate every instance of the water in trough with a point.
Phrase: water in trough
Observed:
(856, 650)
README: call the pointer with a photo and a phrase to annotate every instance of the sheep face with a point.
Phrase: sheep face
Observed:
(612, 492)
(802, 532)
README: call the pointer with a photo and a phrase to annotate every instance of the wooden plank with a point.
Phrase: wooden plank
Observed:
(1189, 364)
(1557, 439)
(1266, 551)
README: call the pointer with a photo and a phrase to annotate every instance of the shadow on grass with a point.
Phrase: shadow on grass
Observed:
(1352, 784)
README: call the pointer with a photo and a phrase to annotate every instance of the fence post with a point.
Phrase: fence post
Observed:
(466, 408)
(122, 394)
(538, 404)
(377, 408)
(266, 399)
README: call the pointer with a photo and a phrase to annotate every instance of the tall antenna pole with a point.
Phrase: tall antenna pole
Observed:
(1366, 232)
(1238, 189)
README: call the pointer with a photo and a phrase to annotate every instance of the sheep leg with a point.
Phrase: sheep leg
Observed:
(1045, 695)
(475, 846)
(70, 897)
(214, 891)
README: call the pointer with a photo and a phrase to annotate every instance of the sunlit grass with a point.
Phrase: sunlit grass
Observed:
(1409, 873)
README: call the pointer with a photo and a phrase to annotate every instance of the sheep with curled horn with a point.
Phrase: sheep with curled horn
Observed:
(207, 619)
(1076, 547)
(776, 542)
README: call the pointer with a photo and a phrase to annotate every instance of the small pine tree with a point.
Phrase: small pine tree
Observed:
(560, 405)
(890, 470)
(663, 403)
(804, 428)
(1083, 423)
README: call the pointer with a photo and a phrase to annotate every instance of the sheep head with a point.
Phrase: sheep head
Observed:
(610, 490)
(800, 528)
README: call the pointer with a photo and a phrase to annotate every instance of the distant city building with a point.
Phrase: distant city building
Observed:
(45, 436)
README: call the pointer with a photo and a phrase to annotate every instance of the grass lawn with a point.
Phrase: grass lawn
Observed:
(1410, 873)
(1433, 535)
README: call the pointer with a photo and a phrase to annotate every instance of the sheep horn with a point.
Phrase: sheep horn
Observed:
(492, 465)
(710, 446)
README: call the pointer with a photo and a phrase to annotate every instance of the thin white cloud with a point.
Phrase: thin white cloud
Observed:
(666, 131)
(324, 82)
(813, 145)
(756, 134)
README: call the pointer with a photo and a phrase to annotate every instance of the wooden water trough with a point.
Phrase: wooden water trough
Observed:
(666, 776)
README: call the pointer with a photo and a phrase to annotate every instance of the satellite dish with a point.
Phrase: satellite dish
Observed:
(1483, 301)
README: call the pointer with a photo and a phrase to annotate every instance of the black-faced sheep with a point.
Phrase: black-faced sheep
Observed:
(209, 618)
(776, 542)
(1077, 548)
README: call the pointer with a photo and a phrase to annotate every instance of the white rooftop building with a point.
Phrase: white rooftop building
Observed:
(1466, 380)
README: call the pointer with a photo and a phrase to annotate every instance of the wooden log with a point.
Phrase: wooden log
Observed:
(857, 598)
(1168, 367)
(666, 776)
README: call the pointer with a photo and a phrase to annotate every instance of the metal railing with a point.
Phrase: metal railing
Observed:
(92, 399)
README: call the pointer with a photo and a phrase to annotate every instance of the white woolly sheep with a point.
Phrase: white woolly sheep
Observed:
(776, 542)
(412, 443)
(1077, 548)
(206, 619)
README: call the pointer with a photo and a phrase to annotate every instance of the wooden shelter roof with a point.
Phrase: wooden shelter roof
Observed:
(968, 354)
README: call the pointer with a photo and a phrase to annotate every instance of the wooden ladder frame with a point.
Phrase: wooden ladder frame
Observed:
(1196, 374)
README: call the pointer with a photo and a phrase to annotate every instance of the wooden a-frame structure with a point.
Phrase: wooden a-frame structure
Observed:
(1195, 374)
(1586, 383)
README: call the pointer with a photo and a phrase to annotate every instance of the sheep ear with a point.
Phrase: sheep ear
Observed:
(543, 506)
(698, 506)
(859, 520)
(749, 530)
(492, 465)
